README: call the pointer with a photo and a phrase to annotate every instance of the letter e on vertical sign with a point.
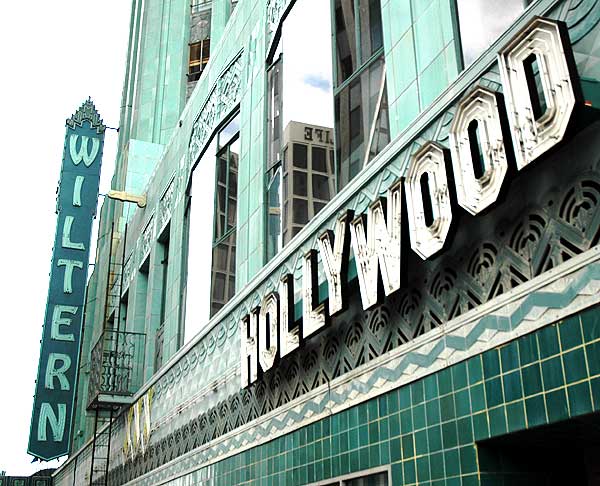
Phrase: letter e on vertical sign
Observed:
(52, 416)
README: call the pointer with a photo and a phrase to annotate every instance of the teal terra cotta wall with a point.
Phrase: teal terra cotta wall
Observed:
(429, 432)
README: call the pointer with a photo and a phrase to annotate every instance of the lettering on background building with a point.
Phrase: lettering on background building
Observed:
(77, 199)
(479, 171)
(320, 135)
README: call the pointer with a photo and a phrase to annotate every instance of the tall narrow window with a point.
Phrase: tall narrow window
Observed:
(199, 243)
(300, 119)
(483, 21)
(123, 311)
(361, 108)
(163, 244)
(141, 297)
(224, 242)
(199, 56)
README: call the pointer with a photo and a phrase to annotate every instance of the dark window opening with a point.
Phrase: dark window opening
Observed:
(556, 454)
(300, 156)
(300, 183)
(163, 244)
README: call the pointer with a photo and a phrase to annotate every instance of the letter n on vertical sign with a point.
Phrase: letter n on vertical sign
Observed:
(53, 405)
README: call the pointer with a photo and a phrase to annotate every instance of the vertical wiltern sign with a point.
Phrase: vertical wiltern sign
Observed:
(77, 200)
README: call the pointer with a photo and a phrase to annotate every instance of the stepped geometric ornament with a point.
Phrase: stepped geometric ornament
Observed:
(480, 106)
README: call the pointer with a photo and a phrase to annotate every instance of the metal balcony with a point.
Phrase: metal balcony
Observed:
(116, 369)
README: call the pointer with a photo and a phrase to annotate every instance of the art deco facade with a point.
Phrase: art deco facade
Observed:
(369, 253)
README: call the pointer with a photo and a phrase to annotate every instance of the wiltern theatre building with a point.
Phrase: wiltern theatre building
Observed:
(349, 242)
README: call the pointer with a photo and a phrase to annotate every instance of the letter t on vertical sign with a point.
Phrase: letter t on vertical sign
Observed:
(54, 401)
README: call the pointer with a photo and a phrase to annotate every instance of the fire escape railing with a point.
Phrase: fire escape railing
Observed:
(116, 367)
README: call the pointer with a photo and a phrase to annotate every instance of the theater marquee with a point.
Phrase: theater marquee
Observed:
(77, 201)
(539, 97)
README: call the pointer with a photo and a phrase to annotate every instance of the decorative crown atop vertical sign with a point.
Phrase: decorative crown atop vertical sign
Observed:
(86, 112)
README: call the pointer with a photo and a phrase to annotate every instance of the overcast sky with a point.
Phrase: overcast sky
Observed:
(54, 55)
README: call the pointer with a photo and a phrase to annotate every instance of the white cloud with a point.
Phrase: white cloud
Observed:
(306, 41)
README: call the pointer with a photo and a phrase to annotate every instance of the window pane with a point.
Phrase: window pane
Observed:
(221, 198)
(483, 21)
(371, 35)
(231, 212)
(223, 273)
(219, 286)
(300, 155)
(300, 211)
(318, 159)
(300, 109)
(195, 52)
(317, 206)
(306, 81)
(300, 183)
(361, 121)
(320, 187)
(274, 214)
(229, 131)
(345, 34)
(223, 258)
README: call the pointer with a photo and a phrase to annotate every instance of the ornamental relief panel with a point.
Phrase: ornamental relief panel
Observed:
(275, 9)
(147, 238)
(166, 205)
(225, 94)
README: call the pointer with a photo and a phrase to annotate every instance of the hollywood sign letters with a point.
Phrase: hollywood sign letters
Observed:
(540, 99)
(59, 354)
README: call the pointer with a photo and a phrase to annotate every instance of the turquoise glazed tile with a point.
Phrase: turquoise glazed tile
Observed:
(575, 367)
(570, 333)
(548, 341)
(580, 399)
(557, 406)
(536, 411)
(552, 373)
(515, 415)
(406, 107)
(591, 324)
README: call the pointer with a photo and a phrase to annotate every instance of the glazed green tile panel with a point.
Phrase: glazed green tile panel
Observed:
(437, 75)
(219, 15)
(400, 19)
(427, 430)
(405, 108)
(403, 63)
(429, 34)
